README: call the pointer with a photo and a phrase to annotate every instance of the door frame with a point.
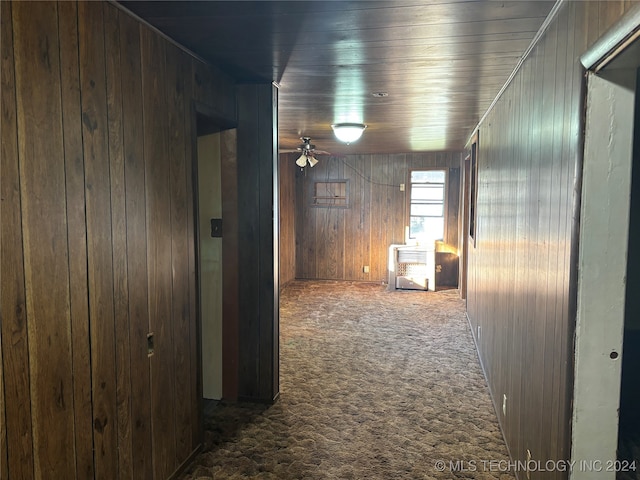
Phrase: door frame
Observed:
(205, 119)
(602, 251)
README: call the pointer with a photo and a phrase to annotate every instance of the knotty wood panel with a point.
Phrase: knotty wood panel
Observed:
(15, 341)
(157, 165)
(99, 236)
(77, 240)
(336, 243)
(519, 288)
(43, 216)
(177, 70)
(118, 224)
(133, 133)
(97, 244)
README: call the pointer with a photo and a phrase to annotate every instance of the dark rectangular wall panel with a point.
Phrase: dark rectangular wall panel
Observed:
(230, 280)
(336, 243)
(519, 291)
(257, 236)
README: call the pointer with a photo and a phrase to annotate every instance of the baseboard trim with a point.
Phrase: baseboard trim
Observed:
(183, 466)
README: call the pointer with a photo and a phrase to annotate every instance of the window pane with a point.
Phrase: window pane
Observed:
(424, 176)
(427, 228)
(427, 192)
(427, 210)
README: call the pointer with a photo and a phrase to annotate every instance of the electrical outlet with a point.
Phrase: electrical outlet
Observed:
(504, 404)
(528, 460)
(402, 187)
(365, 269)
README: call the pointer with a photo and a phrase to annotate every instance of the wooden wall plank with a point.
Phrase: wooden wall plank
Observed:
(15, 341)
(119, 240)
(230, 280)
(195, 352)
(5, 24)
(42, 188)
(135, 194)
(95, 133)
(159, 251)
(6, 114)
(287, 190)
(177, 70)
(400, 176)
(77, 236)
(248, 236)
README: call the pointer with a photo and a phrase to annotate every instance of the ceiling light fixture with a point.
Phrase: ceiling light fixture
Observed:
(348, 132)
(304, 158)
(301, 161)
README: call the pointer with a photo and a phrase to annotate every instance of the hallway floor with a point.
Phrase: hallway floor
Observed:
(374, 384)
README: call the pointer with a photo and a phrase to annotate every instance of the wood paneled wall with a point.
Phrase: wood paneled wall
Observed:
(97, 243)
(336, 243)
(287, 194)
(521, 290)
(258, 275)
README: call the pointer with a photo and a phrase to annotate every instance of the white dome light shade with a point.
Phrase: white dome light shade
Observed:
(312, 161)
(348, 132)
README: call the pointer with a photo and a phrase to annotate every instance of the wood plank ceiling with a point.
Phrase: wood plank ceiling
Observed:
(440, 62)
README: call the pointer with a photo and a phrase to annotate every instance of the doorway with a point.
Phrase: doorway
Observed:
(216, 198)
(605, 258)
(210, 262)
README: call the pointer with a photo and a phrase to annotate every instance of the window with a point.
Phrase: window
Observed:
(331, 194)
(426, 208)
(473, 190)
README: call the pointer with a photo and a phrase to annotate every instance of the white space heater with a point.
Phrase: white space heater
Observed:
(411, 267)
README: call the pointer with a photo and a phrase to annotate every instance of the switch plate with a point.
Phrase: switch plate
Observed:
(216, 227)
(365, 269)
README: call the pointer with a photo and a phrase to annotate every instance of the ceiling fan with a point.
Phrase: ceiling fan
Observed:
(308, 153)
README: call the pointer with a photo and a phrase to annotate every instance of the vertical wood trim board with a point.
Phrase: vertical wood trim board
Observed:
(97, 244)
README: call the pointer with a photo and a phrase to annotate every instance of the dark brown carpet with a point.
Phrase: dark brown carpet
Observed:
(374, 384)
